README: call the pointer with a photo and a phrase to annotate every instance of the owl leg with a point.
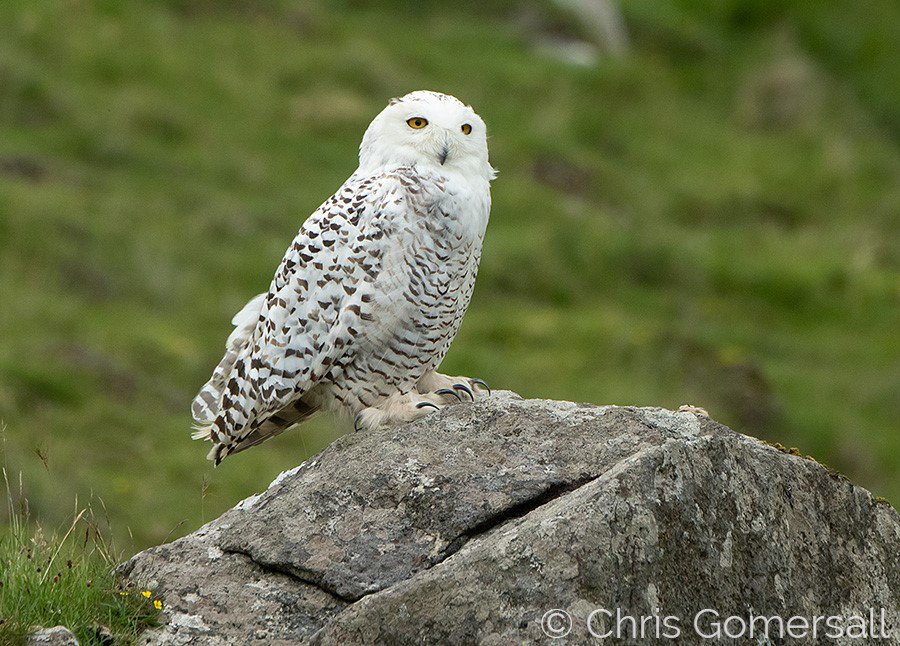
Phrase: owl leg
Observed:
(398, 409)
(452, 388)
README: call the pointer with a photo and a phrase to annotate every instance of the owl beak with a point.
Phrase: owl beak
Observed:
(445, 141)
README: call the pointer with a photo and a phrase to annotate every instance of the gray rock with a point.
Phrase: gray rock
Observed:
(470, 525)
(56, 636)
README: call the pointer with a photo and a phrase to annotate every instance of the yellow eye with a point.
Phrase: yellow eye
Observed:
(417, 123)
(466, 128)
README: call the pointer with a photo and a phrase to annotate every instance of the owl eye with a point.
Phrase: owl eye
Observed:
(466, 128)
(417, 123)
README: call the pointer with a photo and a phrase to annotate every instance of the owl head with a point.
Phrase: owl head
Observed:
(427, 129)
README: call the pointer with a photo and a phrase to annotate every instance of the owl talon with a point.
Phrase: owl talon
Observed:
(356, 422)
(448, 391)
(426, 404)
(479, 382)
(465, 389)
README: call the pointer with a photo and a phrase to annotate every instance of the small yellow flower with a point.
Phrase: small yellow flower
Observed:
(124, 593)
(146, 594)
(157, 604)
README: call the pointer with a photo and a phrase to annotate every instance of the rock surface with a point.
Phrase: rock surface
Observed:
(56, 636)
(471, 524)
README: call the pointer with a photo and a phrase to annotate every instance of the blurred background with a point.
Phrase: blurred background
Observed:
(698, 202)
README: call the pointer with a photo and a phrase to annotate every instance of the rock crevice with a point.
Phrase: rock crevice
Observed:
(485, 526)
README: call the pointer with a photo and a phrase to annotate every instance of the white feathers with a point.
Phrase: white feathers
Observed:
(245, 320)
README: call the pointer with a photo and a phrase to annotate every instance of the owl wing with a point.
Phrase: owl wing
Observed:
(287, 340)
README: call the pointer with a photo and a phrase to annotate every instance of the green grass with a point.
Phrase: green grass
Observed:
(712, 220)
(65, 578)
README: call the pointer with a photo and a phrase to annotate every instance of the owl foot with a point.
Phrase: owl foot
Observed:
(690, 408)
(459, 388)
(460, 392)
(399, 409)
(432, 393)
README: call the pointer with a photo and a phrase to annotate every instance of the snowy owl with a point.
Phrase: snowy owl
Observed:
(370, 293)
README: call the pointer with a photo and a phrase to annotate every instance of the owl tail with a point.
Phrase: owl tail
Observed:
(273, 425)
(208, 402)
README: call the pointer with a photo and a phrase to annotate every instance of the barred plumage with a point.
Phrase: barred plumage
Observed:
(370, 293)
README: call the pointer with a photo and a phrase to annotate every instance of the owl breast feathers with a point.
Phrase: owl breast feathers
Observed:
(370, 293)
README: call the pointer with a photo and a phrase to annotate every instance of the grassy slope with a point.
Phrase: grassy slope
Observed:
(65, 577)
(714, 220)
